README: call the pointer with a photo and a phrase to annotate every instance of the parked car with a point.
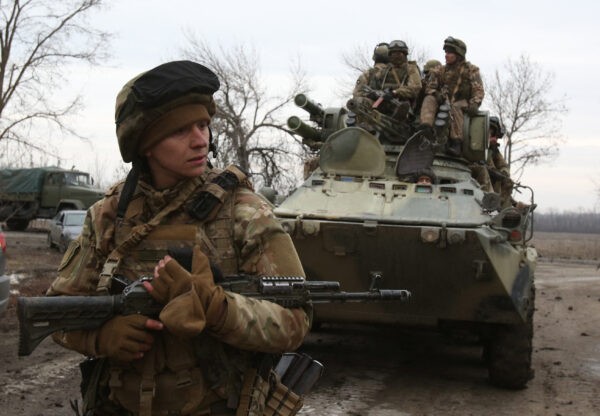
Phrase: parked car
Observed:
(64, 228)
(4, 279)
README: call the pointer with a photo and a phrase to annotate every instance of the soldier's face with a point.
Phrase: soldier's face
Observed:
(181, 155)
(493, 140)
(450, 58)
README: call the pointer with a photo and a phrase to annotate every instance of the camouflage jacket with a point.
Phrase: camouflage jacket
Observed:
(496, 160)
(460, 81)
(243, 237)
(382, 76)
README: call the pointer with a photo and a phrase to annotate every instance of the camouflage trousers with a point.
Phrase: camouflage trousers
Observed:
(503, 187)
(457, 117)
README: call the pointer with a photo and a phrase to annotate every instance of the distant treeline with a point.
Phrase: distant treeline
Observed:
(568, 222)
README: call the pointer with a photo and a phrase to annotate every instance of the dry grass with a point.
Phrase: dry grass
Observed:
(567, 245)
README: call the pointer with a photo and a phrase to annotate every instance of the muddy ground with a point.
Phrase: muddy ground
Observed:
(368, 371)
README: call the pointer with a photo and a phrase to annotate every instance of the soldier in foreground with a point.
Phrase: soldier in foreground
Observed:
(201, 357)
(458, 84)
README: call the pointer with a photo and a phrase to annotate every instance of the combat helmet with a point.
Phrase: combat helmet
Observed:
(381, 53)
(497, 127)
(456, 46)
(431, 64)
(149, 99)
(400, 45)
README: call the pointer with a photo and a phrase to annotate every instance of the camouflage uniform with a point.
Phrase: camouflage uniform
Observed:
(502, 186)
(461, 85)
(202, 374)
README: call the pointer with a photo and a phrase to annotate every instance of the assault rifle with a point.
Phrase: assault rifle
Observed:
(42, 316)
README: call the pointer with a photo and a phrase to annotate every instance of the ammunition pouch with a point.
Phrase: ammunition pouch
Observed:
(260, 397)
(281, 401)
(95, 391)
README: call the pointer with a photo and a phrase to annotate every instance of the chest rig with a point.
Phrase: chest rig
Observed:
(199, 212)
(457, 80)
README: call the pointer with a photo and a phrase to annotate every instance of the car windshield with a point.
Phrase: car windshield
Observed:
(72, 178)
(74, 219)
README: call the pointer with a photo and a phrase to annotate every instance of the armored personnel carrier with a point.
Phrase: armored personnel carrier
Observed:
(364, 217)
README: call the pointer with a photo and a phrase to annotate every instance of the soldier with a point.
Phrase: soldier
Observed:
(500, 172)
(201, 356)
(400, 77)
(380, 58)
(429, 66)
(457, 83)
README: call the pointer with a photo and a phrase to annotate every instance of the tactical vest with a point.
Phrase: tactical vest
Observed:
(177, 372)
(457, 79)
(385, 78)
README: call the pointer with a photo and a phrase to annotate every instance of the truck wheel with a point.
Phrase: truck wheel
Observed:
(508, 353)
(17, 224)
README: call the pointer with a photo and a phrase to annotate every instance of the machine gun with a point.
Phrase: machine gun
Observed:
(394, 130)
(42, 316)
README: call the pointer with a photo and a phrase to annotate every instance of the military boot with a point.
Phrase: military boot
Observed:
(454, 147)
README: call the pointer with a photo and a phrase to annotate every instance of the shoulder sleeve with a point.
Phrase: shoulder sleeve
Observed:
(264, 247)
(79, 269)
(477, 92)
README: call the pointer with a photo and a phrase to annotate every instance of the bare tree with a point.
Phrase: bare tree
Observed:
(37, 39)
(248, 128)
(521, 95)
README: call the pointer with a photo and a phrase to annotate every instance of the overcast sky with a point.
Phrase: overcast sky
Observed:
(561, 36)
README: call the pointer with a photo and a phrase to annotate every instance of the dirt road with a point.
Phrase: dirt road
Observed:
(368, 371)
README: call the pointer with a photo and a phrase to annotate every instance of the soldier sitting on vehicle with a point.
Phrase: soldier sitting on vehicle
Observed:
(398, 80)
(458, 84)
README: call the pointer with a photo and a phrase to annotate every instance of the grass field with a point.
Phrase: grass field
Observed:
(567, 245)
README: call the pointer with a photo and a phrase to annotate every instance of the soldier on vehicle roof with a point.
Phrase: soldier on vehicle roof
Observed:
(427, 68)
(399, 76)
(458, 84)
(197, 357)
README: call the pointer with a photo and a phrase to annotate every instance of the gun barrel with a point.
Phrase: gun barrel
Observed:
(314, 109)
(298, 126)
(370, 296)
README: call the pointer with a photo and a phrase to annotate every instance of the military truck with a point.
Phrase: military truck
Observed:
(362, 217)
(26, 194)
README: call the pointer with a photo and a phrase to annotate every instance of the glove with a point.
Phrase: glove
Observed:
(202, 306)
(472, 109)
(125, 337)
(170, 280)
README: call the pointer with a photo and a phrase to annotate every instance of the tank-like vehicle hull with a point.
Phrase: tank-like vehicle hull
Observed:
(359, 220)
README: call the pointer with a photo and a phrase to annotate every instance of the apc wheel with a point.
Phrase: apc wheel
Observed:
(509, 353)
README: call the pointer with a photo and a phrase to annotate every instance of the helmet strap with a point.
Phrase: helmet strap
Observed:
(128, 189)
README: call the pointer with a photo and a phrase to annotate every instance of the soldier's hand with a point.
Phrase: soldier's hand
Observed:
(126, 338)
(472, 109)
(170, 280)
(211, 296)
(204, 306)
